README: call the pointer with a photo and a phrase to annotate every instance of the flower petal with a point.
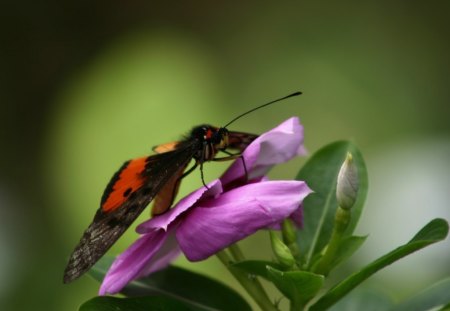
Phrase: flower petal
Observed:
(216, 224)
(168, 252)
(164, 220)
(130, 264)
(297, 216)
(275, 146)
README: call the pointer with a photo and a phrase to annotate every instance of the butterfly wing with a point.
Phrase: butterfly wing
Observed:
(165, 197)
(130, 190)
(165, 147)
(240, 140)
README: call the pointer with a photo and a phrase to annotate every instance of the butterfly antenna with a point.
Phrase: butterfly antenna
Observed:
(266, 104)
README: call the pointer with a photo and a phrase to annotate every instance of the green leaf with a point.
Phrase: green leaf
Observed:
(106, 303)
(180, 284)
(434, 296)
(445, 308)
(348, 247)
(299, 286)
(434, 231)
(320, 173)
(257, 267)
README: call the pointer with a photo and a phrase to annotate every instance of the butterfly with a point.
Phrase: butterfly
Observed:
(155, 178)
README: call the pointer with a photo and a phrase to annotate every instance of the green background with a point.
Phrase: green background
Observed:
(85, 86)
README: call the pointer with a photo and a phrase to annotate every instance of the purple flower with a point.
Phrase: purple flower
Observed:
(209, 220)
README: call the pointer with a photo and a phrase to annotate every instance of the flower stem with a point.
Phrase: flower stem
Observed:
(236, 252)
(250, 283)
(342, 219)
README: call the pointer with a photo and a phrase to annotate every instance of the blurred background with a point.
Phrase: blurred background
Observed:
(85, 86)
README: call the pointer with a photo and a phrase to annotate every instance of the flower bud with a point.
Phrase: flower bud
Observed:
(288, 232)
(281, 251)
(347, 183)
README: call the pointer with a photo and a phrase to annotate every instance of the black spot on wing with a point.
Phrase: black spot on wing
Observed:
(127, 192)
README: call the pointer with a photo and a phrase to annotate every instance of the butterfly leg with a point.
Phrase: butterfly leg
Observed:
(175, 189)
(201, 161)
(188, 171)
(202, 176)
(232, 156)
(177, 183)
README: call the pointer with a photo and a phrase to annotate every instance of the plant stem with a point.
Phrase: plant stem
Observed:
(236, 252)
(250, 283)
(342, 219)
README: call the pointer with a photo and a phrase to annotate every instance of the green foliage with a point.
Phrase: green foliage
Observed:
(258, 267)
(157, 303)
(282, 253)
(193, 289)
(325, 240)
(348, 246)
(298, 286)
(320, 173)
(433, 232)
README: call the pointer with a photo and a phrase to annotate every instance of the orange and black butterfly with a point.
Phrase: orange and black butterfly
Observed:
(153, 178)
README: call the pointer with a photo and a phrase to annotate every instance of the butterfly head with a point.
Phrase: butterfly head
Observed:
(211, 135)
(220, 139)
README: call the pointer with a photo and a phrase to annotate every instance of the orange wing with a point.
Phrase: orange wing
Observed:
(130, 190)
(127, 180)
(165, 147)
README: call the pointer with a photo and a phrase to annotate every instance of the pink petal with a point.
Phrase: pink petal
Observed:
(297, 217)
(168, 252)
(275, 146)
(216, 224)
(164, 220)
(132, 262)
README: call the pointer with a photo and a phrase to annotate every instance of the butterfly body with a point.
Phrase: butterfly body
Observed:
(143, 180)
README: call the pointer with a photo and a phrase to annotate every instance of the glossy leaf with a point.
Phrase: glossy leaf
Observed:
(320, 173)
(298, 286)
(434, 231)
(180, 284)
(106, 303)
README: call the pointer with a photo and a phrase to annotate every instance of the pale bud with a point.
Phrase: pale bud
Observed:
(347, 183)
